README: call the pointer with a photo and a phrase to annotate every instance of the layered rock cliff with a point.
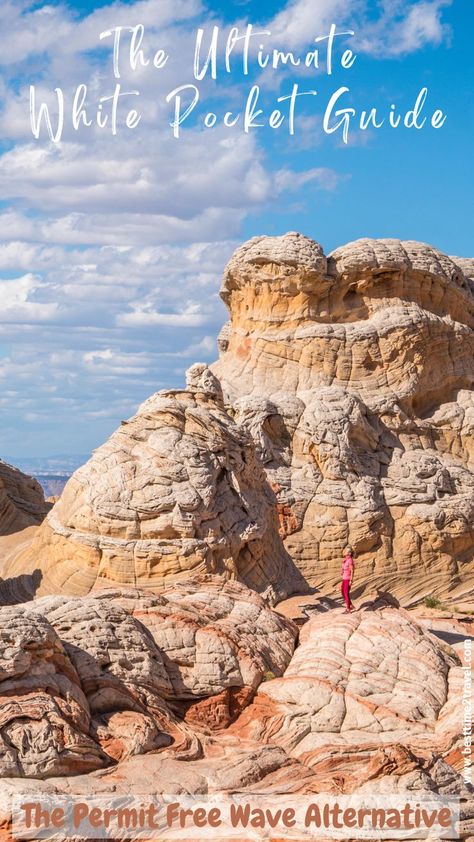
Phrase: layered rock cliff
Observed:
(354, 374)
(22, 502)
(342, 404)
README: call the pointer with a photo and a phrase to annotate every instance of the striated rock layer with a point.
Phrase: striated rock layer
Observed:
(354, 374)
(96, 694)
(342, 404)
(22, 502)
(366, 696)
(87, 682)
(177, 490)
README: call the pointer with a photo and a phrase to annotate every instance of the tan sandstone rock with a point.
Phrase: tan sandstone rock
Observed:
(341, 409)
(354, 374)
(177, 490)
(215, 635)
(22, 508)
(85, 682)
(22, 502)
(366, 696)
(44, 715)
(366, 701)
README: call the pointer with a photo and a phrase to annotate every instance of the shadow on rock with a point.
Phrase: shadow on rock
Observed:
(384, 599)
(20, 589)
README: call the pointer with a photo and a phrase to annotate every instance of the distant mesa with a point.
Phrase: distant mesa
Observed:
(341, 410)
(52, 484)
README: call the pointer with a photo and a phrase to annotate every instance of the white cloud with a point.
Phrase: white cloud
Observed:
(26, 31)
(18, 302)
(404, 28)
(160, 176)
(111, 362)
(401, 27)
(323, 177)
(142, 315)
(116, 245)
(206, 346)
(303, 20)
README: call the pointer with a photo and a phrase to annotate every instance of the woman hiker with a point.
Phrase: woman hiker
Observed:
(347, 573)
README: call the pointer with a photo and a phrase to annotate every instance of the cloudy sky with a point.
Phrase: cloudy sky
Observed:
(112, 247)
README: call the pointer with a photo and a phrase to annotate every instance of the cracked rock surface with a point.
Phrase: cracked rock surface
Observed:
(122, 693)
(340, 411)
(85, 682)
(365, 695)
(177, 490)
(354, 374)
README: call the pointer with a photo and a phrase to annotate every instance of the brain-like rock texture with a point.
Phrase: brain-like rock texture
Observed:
(178, 489)
(88, 681)
(365, 696)
(44, 714)
(217, 636)
(354, 375)
(341, 411)
(111, 693)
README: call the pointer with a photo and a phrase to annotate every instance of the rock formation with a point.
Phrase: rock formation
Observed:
(22, 502)
(178, 489)
(111, 694)
(341, 411)
(365, 696)
(354, 374)
(88, 681)
(342, 403)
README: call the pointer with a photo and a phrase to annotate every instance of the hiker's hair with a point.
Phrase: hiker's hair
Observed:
(348, 550)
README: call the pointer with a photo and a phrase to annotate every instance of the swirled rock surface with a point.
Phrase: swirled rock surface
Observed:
(354, 374)
(341, 411)
(366, 696)
(219, 641)
(176, 490)
(91, 691)
(44, 715)
(89, 681)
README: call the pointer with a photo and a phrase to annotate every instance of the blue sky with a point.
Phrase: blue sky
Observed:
(112, 248)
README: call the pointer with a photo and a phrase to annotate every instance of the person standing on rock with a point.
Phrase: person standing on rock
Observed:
(347, 573)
